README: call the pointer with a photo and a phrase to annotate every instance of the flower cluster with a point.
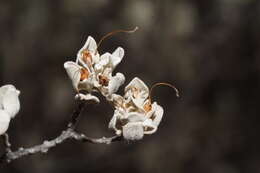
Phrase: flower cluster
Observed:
(9, 106)
(93, 72)
(135, 114)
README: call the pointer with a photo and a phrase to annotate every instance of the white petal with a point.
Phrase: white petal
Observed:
(80, 62)
(139, 101)
(90, 45)
(115, 82)
(3, 90)
(10, 100)
(135, 117)
(117, 100)
(73, 71)
(104, 60)
(87, 84)
(140, 85)
(107, 72)
(133, 131)
(4, 121)
(87, 97)
(113, 121)
(117, 56)
(158, 114)
(141, 89)
(150, 128)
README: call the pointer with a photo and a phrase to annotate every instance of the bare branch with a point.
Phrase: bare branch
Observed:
(68, 134)
(76, 115)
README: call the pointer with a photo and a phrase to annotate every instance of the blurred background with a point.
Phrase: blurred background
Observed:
(208, 49)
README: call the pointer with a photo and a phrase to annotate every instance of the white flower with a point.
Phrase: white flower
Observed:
(109, 84)
(9, 105)
(135, 115)
(81, 77)
(81, 72)
(88, 54)
(137, 92)
(92, 72)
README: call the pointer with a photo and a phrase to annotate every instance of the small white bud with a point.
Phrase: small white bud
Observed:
(133, 131)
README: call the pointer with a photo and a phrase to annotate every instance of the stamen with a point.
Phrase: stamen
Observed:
(165, 84)
(86, 57)
(113, 33)
(148, 106)
(103, 80)
(84, 74)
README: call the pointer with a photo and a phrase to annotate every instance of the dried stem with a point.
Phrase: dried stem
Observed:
(67, 134)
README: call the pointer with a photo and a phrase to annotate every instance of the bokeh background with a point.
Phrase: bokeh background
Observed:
(209, 49)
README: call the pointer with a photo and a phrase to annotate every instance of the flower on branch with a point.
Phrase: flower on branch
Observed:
(9, 106)
(92, 72)
(135, 115)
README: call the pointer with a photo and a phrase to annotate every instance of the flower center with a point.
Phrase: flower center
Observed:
(84, 74)
(103, 80)
(86, 57)
(147, 106)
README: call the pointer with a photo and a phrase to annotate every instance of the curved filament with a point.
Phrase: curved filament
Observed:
(165, 84)
(113, 33)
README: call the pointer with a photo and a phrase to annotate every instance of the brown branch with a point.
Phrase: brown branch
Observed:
(68, 134)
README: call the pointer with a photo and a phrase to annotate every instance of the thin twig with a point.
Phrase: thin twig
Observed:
(68, 134)
(7, 144)
(76, 115)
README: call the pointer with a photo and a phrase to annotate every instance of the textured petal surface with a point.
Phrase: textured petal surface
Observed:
(158, 114)
(135, 117)
(117, 56)
(149, 127)
(115, 83)
(104, 60)
(73, 71)
(4, 121)
(10, 100)
(138, 90)
(133, 131)
(90, 45)
(114, 121)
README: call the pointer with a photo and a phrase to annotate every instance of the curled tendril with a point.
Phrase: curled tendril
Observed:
(113, 33)
(165, 84)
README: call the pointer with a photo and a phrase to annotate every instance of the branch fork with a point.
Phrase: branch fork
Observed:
(68, 134)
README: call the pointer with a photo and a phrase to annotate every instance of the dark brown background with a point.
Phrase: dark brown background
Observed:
(208, 49)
